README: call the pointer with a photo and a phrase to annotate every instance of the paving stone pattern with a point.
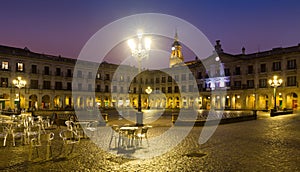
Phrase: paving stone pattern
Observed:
(266, 144)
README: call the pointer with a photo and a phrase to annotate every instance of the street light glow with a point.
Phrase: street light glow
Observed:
(275, 82)
(20, 84)
(140, 51)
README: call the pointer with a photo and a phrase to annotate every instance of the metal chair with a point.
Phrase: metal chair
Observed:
(3, 134)
(69, 138)
(143, 134)
(115, 135)
(19, 132)
(92, 127)
(44, 140)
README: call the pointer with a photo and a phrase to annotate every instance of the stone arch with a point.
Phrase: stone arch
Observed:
(292, 100)
(57, 102)
(33, 102)
(46, 102)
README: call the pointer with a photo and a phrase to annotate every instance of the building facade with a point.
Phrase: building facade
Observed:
(53, 82)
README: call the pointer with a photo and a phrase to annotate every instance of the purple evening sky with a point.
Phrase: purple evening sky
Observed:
(62, 27)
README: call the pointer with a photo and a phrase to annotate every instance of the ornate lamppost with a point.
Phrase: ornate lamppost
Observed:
(275, 82)
(20, 84)
(140, 51)
(148, 91)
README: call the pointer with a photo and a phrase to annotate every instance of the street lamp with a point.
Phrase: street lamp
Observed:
(148, 91)
(20, 84)
(140, 51)
(275, 82)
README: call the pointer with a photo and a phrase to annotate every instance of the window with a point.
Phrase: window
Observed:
(98, 76)
(191, 88)
(237, 84)
(183, 77)
(250, 69)
(106, 88)
(176, 89)
(79, 74)
(121, 90)
(183, 88)
(156, 80)
(250, 83)
(90, 87)
(291, 64)
(4, 82)
(227, 83)
(191, 76)
(34, 84)
(47, 85)
(90, 75)
(262, 83)
(176, 78)
(46, 70)
(121, 78)
(237, 70)
(134, 90)
(107, 77)
(169, 79)
(163, 89)
(227, 71)
(4, 65)
(276, 66)
(163, 79)
(169, 89)
(58, 85)
(114, 89)
(20, 67)
(152, 80)
(79, 86)
(69, 73)
(98, 88)
(57, 73)
(34, 69)
(291, 81)
(263, 68)
(69, 86)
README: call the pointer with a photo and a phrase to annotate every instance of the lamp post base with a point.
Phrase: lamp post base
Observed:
(273, 111)
(139, 119)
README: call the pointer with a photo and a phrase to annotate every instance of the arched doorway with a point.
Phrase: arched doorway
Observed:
(68, 102)
(33, 104)
(57, 101)
(292, 101)
(263, 102)
(4, 101)
(45, 102)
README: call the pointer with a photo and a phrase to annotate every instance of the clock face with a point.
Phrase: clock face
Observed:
(173, 48)
(217, 59)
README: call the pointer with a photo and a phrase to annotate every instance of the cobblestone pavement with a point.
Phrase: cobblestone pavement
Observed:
(266, 144)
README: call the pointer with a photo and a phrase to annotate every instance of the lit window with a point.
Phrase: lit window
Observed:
(20, 67)
(5, 65)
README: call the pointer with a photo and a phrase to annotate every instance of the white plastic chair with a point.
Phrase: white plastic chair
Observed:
(3, 134)
(69, 138)
(44, 140)
(143, 134)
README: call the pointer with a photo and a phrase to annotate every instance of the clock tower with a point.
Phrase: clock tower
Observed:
(176, 57)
